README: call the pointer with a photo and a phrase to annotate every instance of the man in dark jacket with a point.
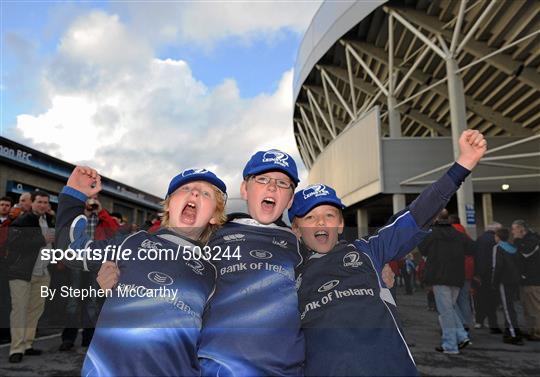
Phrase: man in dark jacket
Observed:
(487, 298)
(445, 249)
(505, 279)
(527, 243)
(27, 274)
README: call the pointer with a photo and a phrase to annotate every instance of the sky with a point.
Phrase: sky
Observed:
(142, 90)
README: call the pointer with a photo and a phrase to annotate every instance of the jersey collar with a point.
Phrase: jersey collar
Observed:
(175, 238)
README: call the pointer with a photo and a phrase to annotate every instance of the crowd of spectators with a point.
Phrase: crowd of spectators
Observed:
(25, 228)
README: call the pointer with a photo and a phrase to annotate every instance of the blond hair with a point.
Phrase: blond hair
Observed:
(219, 215)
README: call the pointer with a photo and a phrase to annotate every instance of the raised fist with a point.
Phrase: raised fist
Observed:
(472, 147)
(85, 180)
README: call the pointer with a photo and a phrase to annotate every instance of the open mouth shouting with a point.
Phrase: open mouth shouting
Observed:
(268, 204)
(189, 213)
(321, 236)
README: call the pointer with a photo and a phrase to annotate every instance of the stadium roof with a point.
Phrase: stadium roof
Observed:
(342, 69)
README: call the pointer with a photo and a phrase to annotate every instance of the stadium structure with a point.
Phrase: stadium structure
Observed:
(383, 89)
(24, 169)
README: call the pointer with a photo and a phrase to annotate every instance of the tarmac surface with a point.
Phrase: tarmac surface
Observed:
(487, 356)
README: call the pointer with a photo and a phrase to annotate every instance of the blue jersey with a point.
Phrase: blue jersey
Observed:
(143, 329)
(349, 317)
(252, 325)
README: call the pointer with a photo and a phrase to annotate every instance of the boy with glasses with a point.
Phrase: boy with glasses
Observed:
(252, 324)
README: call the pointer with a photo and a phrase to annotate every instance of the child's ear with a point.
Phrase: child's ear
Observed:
(212, 221)
(290, 201)
(243, 190)
(296, 229)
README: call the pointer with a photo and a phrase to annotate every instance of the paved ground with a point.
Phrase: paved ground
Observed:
(488, 356)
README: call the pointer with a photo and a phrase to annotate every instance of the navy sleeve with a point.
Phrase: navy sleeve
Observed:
(405, 229)
(71, 232)
(394, 240)
(434, 198)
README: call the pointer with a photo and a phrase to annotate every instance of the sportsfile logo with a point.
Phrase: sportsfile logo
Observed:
(151, 245)
(196, 266)
(315, 190)
(328, 285)
(192, 171)
(160, 278)
(281, 243)
(276, 157)
(234, 237)
(260, 254)
(352, 259)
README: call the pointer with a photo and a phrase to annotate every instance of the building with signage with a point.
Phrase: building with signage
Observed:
(383, 89)
(23, 169)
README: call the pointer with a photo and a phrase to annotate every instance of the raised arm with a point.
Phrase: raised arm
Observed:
(407, 228)
(71, 221)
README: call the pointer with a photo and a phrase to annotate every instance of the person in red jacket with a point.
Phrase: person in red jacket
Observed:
(5, 220)
(393, 265)
(155, 225)
(5, 300)
(101, 225)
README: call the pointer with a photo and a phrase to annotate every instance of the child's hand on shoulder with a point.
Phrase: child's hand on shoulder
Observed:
(388, 276)
(85, 180)
(108, 275)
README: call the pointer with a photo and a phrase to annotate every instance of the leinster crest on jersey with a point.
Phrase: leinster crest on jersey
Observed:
(352, 259)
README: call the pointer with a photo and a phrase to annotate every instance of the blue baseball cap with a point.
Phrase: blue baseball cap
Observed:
(272, 160)
(312, 196)
(190, 175)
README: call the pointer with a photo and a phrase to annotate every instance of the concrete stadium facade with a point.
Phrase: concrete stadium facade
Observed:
(382, 89)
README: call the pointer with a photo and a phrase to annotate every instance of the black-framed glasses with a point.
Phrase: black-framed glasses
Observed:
(281, 183)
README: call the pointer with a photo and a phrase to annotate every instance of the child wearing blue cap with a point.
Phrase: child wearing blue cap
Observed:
(348, 315)
(149, 325)
(252, 325)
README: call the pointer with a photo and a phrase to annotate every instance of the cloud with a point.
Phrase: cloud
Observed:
(140, 120)
(206, 23)
(223, 19)
(97, 50)
(101, 39)
(59, 128)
